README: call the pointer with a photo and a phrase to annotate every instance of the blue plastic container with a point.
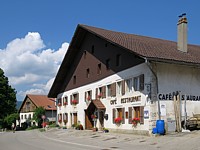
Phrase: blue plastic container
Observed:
(160, 125)
(154, 131)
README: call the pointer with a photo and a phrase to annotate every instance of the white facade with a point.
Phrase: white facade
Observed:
(170, 78)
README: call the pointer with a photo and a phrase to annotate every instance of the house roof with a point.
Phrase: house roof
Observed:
(41, 101)
(153, 49)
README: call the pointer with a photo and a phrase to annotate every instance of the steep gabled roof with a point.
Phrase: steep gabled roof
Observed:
(145, 47)
(40, 100)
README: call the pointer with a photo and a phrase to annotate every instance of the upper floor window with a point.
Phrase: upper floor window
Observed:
(85, 53)
(74, 80)
(129, 85)
(109, 90)
(139, 83)
(74, 99)
(108, 64)
(92, 51)
(118, 60)
(65, 100)
(119, 88)
(99, 69)
(88, 73)
(88, 96)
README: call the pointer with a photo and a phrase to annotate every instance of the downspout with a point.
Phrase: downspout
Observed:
(149, 66)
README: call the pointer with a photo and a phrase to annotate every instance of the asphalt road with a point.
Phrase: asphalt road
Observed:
(87, 140)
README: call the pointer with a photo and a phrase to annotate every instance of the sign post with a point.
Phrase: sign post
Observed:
(43, 117)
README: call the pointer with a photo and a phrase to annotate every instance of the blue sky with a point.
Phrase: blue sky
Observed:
(34, 34)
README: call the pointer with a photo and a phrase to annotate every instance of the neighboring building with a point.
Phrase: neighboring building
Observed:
(113, 74)
(31, 102)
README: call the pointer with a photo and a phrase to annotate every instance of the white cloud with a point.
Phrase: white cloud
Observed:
(30, 67)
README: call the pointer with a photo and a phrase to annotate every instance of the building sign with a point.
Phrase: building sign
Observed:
(131, 99)
(146, 114)
(170, 97)
(126, 100)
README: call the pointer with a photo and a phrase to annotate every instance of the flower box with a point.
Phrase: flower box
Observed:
(135, 121)
(118, 120)
(65, 103)
(74, 102)
(59, 104)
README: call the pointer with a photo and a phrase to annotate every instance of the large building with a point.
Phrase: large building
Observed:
(114, 75)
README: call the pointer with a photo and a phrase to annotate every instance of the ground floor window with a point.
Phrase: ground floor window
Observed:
(65, 117)
(136, 112)
(119, 113)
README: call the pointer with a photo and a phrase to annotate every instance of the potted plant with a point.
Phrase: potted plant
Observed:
(105, 130)
(135, 121)
(74, 102)
(118, 121)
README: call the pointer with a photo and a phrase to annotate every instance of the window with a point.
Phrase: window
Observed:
(88, 73)
(74, 80)
(92, 51)
(65, 100)
(29, 116)
(139, 83)
(108, 64)
(85, 53)
(118, 60)
(136, 112)
(65, 118)
(109, 90)
(21, 116)
(88, 96)
(25, 117)
(119, 113)
(119, 88)
(59, 101)
(74, 98)
(99, 69)
(28, 104)
(128, 85)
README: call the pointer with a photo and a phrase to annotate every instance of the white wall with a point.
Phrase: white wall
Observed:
(129, 73)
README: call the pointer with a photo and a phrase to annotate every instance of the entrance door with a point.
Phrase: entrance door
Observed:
(101, 119)
(88, 121)
(75, 118)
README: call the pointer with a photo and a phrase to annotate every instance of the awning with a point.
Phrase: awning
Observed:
(98, 104)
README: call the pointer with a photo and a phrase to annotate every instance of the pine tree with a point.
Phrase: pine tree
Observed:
(7, 98)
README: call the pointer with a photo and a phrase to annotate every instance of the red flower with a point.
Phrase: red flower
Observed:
(59, 104)
(65, 103)
(88, 98)
(60, 120)
(118, 120)
(135, 121)
(93, 116)
(74, 102)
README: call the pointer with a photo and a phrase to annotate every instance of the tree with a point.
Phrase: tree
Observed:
(38, 115)
(7, 98)
(11, 119)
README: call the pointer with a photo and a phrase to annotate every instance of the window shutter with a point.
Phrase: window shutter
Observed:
(141, 114)
(104, 92)
(113, 89)
(130, 111)
(96, 94)
(91, 94)
(142, 82)
(67, 117)
(78, 97)
(85, 96)
(114, 114)
(123, 115)
(123, 87)
(70, 99)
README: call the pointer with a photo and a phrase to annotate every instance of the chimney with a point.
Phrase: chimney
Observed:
(182, 33)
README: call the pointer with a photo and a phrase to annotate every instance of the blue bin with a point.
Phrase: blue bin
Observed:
(160, 125)
(154, 131)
